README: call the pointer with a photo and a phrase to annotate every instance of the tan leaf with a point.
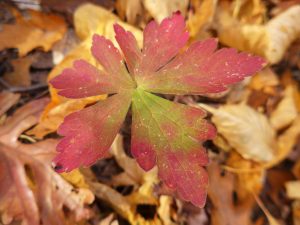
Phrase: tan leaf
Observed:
(246, 130)
(129, 10)
(286, 111)
(270, 40)
(292, 189)
(162, 9)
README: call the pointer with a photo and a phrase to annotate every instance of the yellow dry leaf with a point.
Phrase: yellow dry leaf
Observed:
(164, 209)
(285, 143)
(270, 40)
(264, 78)
(38, 30)
(89, 19)
(250, 175)
(286, 111)
(145, 180)
(249, 11)
(246, 130)
(292, 189)
(162, 9)
(202, 17)
(76, 178)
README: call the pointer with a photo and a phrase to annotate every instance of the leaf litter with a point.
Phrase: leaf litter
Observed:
(257, 121)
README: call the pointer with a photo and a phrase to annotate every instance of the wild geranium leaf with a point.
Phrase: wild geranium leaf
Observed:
(169, 134)
(89, 133)
(164, 133)
(201, 69)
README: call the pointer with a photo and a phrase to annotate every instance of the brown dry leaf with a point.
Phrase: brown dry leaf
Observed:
(29, 189)
(88, 19)
(270, 40)
(246, 130)
(221, 190)
(20, 76)
(162, 9)
(7, 100)
(296, 212)
(37, 30)
(286, 111)
(202, 17)
(271, 219)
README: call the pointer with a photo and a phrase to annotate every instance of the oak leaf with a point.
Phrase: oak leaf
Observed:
(41, 194)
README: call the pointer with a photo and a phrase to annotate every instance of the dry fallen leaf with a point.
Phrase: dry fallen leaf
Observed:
(270, 40)
(142, 182)
(296, 212)
(129, 10)
(271, 219)
(221, 190)
(88, 19)
(264, 78)
(250, 176)
(286, 111)
(37, 30)
(162, 9)
(292, 189)
(246, 130)
(20, 76)
(202, 17)
(7, 100)
(33, 191)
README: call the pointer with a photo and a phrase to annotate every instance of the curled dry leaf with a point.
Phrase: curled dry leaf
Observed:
(88, 19)
(246, 130)
(270, 40)
(202, 17)
(39, 30)
(39, 195)
(162, 9)
(286, 111)
(129, 10)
